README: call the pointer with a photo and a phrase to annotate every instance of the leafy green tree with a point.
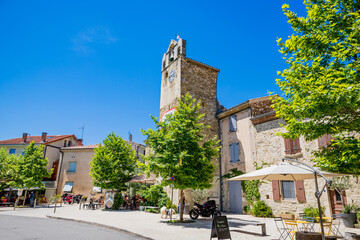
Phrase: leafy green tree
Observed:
(181, 155)
(113, 164)
(321, 92)
(32, 168)
(8, 168)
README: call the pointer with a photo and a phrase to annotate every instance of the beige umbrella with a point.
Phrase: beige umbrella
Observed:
(283, 171)
(295, 170)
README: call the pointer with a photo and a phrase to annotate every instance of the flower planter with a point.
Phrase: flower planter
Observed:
(287, 216)
(349, 219)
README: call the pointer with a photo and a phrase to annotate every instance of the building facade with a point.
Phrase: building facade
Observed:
(250, 139)
(74, 176)
(52, 145)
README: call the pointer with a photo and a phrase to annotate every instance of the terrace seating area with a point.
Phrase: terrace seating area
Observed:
(289, 228)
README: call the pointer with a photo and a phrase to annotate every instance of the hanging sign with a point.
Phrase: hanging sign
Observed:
(220, 228)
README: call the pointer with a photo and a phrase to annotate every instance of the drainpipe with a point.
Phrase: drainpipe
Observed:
(220, 169)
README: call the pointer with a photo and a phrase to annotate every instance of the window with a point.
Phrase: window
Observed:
(288, 189)
(72, 167)
(292, 146)
(65, 143)
(234, 152)
(12, 151)
(68, 187)
(232, 123)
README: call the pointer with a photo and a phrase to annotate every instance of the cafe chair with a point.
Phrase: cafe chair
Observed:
(284, 233)
(311, 225)
(292, 228)
(336, 225)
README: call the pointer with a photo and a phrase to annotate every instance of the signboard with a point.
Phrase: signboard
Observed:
(19, 193)
(109, 199)
(220, 228)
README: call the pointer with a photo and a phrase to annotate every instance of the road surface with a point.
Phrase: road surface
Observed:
(30, 228)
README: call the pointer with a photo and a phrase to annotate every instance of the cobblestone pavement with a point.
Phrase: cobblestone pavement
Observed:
(151, 225)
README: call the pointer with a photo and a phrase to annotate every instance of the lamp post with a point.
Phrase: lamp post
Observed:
(317, 192)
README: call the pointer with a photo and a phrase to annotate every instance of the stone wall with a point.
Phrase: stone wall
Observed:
(200, 81)
(270, 149)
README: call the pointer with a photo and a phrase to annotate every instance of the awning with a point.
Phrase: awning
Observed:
(68, 187)
(96, 189)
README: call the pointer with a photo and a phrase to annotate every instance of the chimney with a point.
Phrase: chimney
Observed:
(24, 138)
(130, 137)
(43, 136)
(79, 142)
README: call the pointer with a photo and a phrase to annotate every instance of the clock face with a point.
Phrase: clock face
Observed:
(172, 75)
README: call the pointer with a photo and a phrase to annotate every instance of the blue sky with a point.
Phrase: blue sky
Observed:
(97, 63)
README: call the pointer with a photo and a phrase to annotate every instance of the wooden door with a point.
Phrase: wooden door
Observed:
(235, 199)
(335, 201)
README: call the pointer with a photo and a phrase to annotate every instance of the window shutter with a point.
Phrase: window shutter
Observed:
(232, 123)
(236, 152)
(287, 144)
(276, 190)
(232, 153)
(300, 191)
(296, 146)
(321, 141)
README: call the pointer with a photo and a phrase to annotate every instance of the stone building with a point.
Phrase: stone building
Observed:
(181, 75)
(249, 138)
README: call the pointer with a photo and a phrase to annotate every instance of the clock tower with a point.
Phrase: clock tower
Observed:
(181, 75)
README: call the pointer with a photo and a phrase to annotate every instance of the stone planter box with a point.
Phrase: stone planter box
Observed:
(287, 216)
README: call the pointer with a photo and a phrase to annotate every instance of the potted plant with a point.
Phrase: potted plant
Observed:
(349, 215)
(287, 215)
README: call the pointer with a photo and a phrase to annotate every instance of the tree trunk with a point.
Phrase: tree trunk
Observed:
(25, 197)
(181, 206)
(16, 202)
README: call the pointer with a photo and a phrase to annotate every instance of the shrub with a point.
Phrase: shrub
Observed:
(247, 209)
(261, 209)
(118, 201)
(156, 195)
(350, 209)
(313, 211)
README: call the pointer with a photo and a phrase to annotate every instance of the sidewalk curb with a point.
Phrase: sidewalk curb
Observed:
(102, 225)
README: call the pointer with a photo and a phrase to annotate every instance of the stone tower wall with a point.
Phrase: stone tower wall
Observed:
(200, 81)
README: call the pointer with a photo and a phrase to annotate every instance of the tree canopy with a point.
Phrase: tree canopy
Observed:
(321, 92)
(113, 164)
(181, 154)
(8, 168)
(32, 168)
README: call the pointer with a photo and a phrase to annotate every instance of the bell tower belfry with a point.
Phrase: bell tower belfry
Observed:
(171, 75)
(181, 75)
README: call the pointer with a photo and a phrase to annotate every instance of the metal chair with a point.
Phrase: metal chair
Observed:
(336, 225)
(284, 233)
(292, 228)
(311, 225)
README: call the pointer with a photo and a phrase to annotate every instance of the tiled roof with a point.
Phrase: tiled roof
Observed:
(36, 139)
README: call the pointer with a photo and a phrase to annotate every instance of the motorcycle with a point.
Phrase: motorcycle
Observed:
(206, 210)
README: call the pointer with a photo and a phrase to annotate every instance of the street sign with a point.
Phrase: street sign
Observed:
(109, 199)
(19, 193)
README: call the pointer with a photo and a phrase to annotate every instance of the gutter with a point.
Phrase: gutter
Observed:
(220, 169)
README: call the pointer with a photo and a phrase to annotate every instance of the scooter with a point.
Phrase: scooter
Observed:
(206, 210)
